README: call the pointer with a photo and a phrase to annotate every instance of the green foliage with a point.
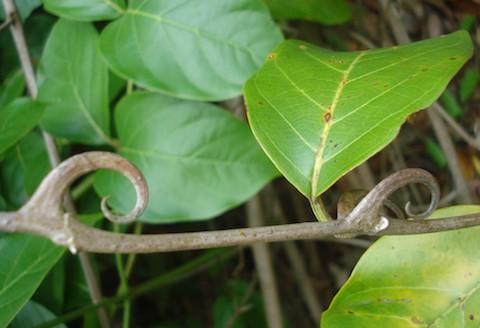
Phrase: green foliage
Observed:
(193, 49)
(319, 113)
(12, 88)
(85, 10)
(451, 104)
(17, 119)
(22, 169)
(198, 159)
(33, 314)
(25, 262)
(468, 84)
(428, 280)
(323, 11)
(239, 306)
(73, 81)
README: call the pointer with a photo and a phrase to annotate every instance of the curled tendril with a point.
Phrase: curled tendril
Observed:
(49, 195)
(368, 210)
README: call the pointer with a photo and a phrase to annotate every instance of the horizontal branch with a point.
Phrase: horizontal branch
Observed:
(43, 215)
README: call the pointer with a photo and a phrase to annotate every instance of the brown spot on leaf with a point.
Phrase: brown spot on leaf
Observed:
(471, 317)
(259, 102)
(350, 312)
(328, 115)
(416, 320)
(453, 58)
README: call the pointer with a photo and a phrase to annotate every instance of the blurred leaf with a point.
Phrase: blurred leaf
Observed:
(468, 22)
(451, 104)
(319, 113)
(73, 81)
(198, 160)
(24, 7)
(26, 259)
(236, 306)
(51, 292)
(12, 88)
(32, 315)
(24, 166)
(468, 84)
(76, 290)
(115, 86)
(17, 119)
(85, 10)
(435, 152)
(203, 50)
(3, 204)
(36, 29)
(323, 11)
(428, 280)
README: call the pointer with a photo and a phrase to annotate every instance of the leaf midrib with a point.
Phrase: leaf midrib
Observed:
(318, 163)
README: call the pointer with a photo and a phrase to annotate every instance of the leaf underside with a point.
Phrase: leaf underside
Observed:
(319, 113)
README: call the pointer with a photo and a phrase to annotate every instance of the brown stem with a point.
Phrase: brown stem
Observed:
(18, 35)
(264, 266)
(43, 215)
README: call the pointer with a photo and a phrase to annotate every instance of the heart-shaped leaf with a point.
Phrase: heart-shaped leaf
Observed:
(73, 81)
(16, 119)
(198, 160)
(203, 50)
(322, 11)
(429, 280)
(85, 10)
(319, 113)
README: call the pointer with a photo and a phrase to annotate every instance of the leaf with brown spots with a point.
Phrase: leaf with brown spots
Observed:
(323, 113)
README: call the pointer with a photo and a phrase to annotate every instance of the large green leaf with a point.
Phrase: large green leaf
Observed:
(202, 50)
(16, 119)
(26, 260)
(322, 11)
(85, 10)
(74, 84)
(198, 159)
(319, 113)
(429, 280)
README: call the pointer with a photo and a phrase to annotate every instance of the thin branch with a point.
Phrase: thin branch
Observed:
(18, 35)
(457, 128)
(264, 265)
(43, 215)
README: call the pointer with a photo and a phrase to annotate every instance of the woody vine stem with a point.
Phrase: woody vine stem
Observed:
(43, 215)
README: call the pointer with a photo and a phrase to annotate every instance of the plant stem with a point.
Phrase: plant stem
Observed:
(123, 288)
(184, 271)
(263, 263)
(18, 35)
